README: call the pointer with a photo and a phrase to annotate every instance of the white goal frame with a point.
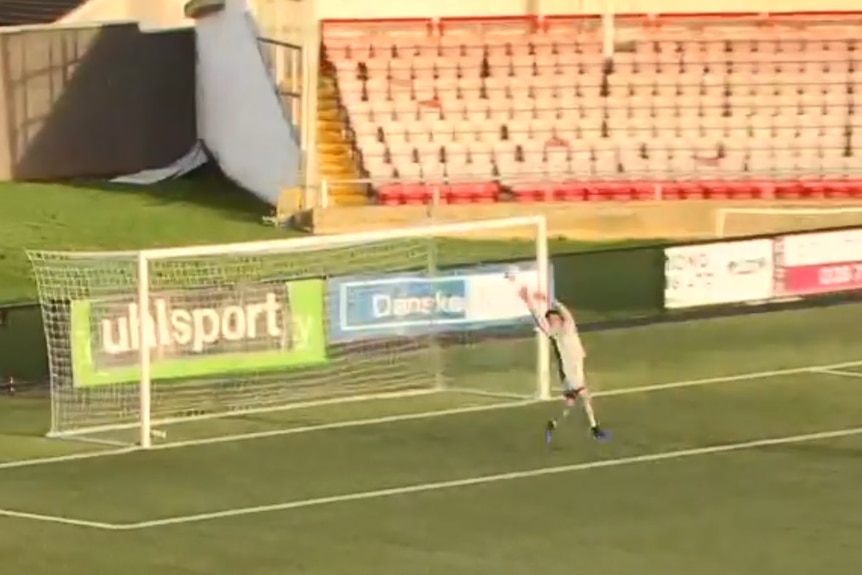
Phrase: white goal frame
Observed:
(145, 258)
(722, 214)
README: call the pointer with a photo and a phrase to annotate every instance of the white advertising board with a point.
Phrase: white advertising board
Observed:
(718, 273)
(822, 248)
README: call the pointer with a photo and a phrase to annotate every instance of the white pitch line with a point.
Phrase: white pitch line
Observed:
(477, 408)
(59, 520)
(545, 471)
(423, 415)
(65, 458)
(727, 379)
(839, 372)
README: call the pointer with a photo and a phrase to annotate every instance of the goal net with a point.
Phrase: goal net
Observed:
(264, 326)
(738, 222)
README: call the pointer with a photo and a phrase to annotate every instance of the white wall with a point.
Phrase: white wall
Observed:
(100, 11)
(239, 113)
(354, 9)
(282, 20)
(149, 13)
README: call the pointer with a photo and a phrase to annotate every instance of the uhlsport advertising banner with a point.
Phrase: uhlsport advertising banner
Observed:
(200, 332)
(819, 263)
(719, 273)
(408, 304)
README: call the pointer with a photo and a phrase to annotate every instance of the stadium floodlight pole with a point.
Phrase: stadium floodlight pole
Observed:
(145, 384)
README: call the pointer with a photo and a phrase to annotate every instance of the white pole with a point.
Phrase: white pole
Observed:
(144, 347)
(543, 350)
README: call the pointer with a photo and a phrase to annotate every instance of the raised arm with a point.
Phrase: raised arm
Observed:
(565, 312)
(538, 316)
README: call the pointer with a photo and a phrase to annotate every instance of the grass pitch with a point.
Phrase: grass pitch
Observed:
(686, 486)
(113, 217)
(736, 447)
(190, 211)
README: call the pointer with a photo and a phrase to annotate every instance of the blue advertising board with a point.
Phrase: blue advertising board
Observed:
(407, 304)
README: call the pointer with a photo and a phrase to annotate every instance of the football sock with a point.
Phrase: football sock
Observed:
(588, 408)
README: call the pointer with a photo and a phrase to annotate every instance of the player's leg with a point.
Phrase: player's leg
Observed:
(583, 392)
(574, 386)
(569, 399)
(587, 401)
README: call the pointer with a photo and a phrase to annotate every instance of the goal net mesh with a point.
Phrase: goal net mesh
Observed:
(740, 222)
(278, 326)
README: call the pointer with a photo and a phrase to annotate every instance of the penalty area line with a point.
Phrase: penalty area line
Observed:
(839, 372)
(59, 520)
(487, 479)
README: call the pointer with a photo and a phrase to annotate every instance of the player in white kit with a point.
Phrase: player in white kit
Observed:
(559, 325)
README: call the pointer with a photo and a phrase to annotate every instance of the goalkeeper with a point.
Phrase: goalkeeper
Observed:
(559, 325)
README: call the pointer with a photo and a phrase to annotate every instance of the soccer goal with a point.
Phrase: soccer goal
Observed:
(236, 329)
(738, 222)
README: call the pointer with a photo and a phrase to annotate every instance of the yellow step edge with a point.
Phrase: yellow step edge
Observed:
(335, 163)
(343, 167)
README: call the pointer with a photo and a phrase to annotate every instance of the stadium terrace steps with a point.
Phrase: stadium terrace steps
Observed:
(24, 12)
(335, 150)
(515, 110)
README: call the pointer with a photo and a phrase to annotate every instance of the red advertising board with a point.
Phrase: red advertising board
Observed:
(822, 278)
(818, 263)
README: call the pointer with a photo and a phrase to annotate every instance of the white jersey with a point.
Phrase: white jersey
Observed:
(570, 352)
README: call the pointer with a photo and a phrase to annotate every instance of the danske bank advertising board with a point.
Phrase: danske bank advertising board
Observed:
(200, 332)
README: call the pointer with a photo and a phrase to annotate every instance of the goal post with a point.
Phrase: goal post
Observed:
(139, 340)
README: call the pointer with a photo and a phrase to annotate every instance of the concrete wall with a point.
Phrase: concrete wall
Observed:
(593, 221)
(93, 100)
(351, 9)
(282, 20)
(148, 13)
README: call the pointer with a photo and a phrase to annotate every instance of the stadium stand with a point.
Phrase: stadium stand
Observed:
(526, 109)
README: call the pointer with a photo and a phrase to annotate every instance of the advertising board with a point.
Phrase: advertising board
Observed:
(821, 278)
(718, 273)
(413, 303)
(200, 332)
(819, 263)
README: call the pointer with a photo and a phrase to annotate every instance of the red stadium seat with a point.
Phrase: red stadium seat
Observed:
(429, 97)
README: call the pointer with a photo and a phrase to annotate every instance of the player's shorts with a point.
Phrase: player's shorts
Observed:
(573, 380)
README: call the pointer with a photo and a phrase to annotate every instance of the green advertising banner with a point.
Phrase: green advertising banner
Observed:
(201, 332)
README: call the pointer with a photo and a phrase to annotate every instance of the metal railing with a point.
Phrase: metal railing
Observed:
(322, 195)
(284, 62)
